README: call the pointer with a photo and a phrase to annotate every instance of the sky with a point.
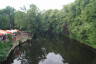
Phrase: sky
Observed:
(41, 4)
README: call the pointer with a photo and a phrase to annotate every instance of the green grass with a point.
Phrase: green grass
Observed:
(4, 49)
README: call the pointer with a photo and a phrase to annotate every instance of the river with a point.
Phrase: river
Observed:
(55, 51)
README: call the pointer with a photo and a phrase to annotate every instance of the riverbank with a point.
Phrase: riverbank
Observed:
(7, 47)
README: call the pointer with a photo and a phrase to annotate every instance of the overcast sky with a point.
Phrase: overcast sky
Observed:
(42, 4)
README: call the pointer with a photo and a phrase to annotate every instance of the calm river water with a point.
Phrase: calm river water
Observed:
(43, 51)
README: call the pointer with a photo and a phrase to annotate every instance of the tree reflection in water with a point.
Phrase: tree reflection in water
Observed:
(46, 51)
(37, 54)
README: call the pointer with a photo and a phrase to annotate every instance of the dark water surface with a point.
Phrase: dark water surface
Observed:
(44, 51)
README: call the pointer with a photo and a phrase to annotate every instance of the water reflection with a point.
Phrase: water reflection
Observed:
(16, 61)
(20, 59)
(52, 58)
(54, 52)
(36, 54)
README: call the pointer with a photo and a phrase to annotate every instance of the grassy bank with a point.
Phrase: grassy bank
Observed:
(7, 46)
(4, 49)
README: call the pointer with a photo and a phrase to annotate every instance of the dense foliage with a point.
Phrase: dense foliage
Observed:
(4, 49)
(76, 20)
